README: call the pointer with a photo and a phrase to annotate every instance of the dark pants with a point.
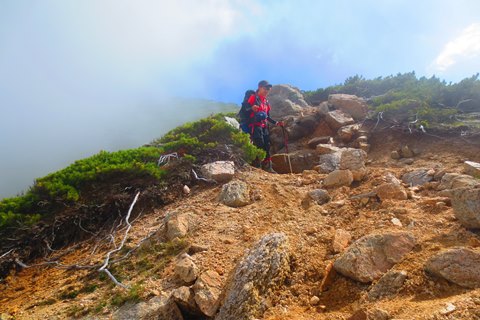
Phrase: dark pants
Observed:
(261, 139)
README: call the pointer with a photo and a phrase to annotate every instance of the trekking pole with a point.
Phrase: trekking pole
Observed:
(285, 141)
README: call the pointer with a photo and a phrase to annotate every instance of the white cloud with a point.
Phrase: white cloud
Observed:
(466, 45)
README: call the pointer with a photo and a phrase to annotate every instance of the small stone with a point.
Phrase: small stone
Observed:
(186, 269)
(341, 240)
(186, 189)
(440, 205)
(407, 152)
(235, 194)
(449, 308)
(397, 222)
(314, 300)
(395, 155)
(220, 171)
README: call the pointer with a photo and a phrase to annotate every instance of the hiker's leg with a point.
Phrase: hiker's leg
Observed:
(258, 141)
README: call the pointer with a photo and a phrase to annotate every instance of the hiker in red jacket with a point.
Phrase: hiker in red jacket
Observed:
(258, 128)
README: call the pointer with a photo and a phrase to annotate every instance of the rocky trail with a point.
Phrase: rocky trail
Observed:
(373, 223)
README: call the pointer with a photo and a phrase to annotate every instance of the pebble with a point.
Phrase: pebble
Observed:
(449, 308)
(397, 222)
(314, 300)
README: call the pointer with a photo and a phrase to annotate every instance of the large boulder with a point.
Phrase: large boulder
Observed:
(337, 119)
(208, 289)
(235, 194)
(257, 276)
(298, 160)
(160, 307)
(220, 171)
(347, 133)
(312, 143)
(466, 206)
(371, 256)
(356, 107)
(458, 265)
(286, 100)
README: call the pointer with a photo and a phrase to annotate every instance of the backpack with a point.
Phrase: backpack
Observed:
(245, 110)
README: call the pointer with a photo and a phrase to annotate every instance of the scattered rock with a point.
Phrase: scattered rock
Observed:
(371, 256)
(341, 240)
(328, 277)
(338, 178)
(320, 196)
(235, 194)
(207, 289)
(337, 119)
(314, 300)
(456, 180)
(391, 191)
(466, 206)
(186, 269)
(312, 143)
(395, 155)
(196, 248)
(354, 160)
(472, 168)
(406, 152)
(458, 265)
(299, 160)
(449, 308)
(388, 285)
(417, 177)
(378, 314)
(347, 133)
(177, 225)
(350, 104)
(256, 277)
(160, 307)
(323, 148)
(220, 171)
(396, 222)
(186, 189)
(184, 297)
(329, 162)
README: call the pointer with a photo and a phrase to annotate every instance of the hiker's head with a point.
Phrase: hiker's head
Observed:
(263, 87)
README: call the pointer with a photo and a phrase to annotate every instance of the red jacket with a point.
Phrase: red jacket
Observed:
(264, 105)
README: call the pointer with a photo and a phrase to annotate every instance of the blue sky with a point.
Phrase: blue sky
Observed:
(73, 72)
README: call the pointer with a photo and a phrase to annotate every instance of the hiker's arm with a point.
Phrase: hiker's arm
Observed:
(251, 106)
(277, 123)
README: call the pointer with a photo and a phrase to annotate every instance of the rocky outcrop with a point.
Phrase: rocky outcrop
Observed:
(458, 265)
(160, 307)
(235, 194)
(220, 171)
(352, 105)
(337, 119)
(256, 277)
(338, 178)
(371, 256)
(466, 206)
(286, 100)
(207, 289)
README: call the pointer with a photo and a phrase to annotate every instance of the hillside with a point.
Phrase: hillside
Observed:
(302, 252)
